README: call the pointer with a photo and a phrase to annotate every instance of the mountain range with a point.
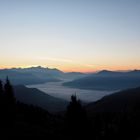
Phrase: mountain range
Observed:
(115, 116)
(107, 80)
(36, 75)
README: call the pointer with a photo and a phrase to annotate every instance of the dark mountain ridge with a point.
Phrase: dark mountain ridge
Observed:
(124, 100)
(32, 96)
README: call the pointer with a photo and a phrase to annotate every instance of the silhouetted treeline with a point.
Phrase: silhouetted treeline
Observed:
(7, 106)
(18, 119)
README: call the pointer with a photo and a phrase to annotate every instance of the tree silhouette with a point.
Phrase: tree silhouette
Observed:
(1, 93)
(9, 93)
(1, 87)
(76, 119)
(9, 108)
(1, 106)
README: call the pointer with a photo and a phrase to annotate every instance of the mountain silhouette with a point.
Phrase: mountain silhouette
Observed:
(107, 80)
(115, 116)
(117, 102)
(36, 75)
(33, 96)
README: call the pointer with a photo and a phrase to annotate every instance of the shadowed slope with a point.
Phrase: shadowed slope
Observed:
(38, 98)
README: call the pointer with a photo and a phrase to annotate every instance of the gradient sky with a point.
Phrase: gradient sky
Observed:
(72, 35)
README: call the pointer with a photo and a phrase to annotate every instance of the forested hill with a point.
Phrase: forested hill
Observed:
(113, 117)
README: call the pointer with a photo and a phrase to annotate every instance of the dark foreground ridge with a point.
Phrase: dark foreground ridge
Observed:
(33, 96)
(113, 117)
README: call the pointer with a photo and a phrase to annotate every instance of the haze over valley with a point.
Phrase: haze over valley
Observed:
(88, 87)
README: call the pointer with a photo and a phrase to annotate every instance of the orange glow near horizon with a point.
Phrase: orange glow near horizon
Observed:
(78, 40)
(99, 69)
(75, 69)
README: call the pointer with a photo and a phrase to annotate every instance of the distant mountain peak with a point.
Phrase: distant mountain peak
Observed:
(37, 67)
(40, 68)
(106, 72)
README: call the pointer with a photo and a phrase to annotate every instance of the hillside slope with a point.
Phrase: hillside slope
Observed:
(38, 98)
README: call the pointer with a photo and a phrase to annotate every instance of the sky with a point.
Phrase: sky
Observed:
(71, 35)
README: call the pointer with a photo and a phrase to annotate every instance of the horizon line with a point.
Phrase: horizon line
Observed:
(66, 71)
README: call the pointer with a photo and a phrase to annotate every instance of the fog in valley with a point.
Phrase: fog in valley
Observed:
(56, 89)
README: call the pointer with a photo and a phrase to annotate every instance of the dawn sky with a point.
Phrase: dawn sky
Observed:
(71, 35)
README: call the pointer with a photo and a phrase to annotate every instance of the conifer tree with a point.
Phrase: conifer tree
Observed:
(9, 93)
(1, 88)
(10, 103)
(1, 98)
(76, 119)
